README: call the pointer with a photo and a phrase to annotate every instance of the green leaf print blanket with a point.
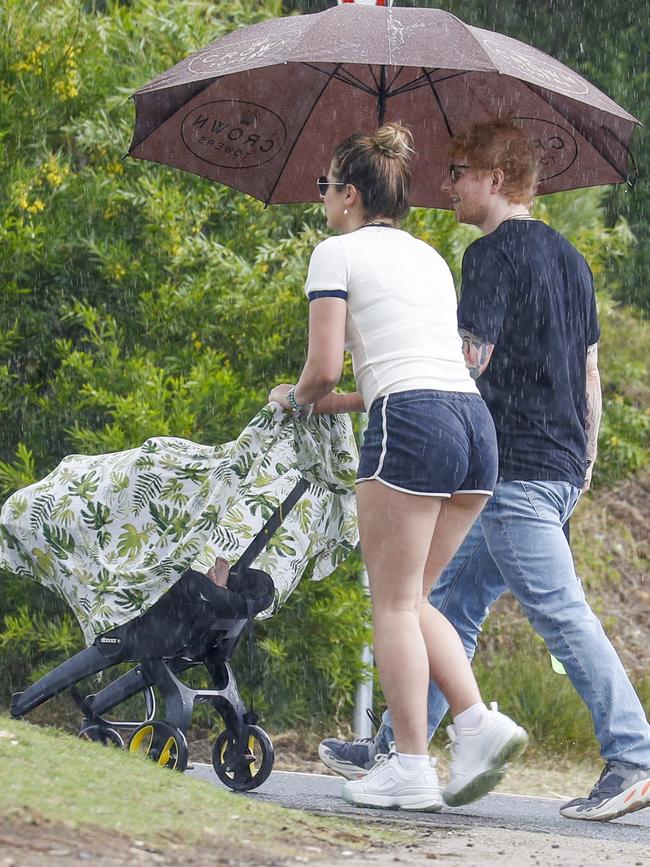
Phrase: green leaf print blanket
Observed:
(111, 533)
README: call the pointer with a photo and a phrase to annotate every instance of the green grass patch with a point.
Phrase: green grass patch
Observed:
(74, 782)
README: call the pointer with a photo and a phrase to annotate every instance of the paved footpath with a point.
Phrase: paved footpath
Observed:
(320, 793)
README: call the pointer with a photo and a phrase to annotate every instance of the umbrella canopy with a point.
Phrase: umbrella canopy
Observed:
(262, 109)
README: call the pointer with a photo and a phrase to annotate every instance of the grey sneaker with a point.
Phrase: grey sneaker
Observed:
(620, 789)
(353, 759)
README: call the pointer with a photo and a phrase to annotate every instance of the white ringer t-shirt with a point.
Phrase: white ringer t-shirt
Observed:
(401, 326)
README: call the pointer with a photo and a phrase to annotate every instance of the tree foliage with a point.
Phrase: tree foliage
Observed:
(607, 42)
(136, 300)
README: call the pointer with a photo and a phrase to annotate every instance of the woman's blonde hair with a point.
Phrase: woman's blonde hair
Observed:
(377, 164)
(501, 144)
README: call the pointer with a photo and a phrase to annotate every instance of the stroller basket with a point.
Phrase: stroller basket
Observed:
(194, 623)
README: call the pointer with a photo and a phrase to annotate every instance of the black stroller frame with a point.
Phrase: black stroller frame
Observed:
(164, 645)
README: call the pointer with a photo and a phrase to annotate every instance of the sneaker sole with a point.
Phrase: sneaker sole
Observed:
(627, 802)
(486, 781)
(344, 769)
(420, 803)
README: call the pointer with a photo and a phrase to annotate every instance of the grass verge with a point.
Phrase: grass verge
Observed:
(48, 775)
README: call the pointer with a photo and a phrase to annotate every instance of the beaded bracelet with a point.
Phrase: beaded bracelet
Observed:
(296, 408)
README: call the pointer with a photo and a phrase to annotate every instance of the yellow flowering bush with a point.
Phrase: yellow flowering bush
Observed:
(136, 300)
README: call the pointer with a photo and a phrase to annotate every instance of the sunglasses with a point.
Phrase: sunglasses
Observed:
(322, 183)
(456, 171)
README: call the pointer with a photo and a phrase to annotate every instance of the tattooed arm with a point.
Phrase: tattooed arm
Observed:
(477, 352)
(594, 410)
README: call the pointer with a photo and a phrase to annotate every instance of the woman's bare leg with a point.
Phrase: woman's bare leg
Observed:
(446, 652)
(397, 537)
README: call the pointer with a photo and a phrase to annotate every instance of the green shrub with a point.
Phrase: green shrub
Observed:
(136, 300)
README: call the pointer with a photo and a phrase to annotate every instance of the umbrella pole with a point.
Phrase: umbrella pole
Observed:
(381, 96)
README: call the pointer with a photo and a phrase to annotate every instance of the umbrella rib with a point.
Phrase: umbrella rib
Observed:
(439, 101)
(346, 77)
(630, 177)
(396, 76)
(422, 81)
(134, 145)
(331, 76)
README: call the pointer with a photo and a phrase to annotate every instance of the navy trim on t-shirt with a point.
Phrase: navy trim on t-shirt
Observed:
(328, 293)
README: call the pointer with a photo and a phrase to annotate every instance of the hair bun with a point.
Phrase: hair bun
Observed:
(394, 141)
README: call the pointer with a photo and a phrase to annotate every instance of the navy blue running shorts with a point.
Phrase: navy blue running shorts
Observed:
(431, 443)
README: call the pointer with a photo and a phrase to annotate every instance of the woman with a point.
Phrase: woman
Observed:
(428, 462)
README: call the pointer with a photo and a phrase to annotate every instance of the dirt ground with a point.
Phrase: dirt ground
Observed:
(37, 843)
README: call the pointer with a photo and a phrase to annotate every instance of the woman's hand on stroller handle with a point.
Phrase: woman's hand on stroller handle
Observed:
(278, 394)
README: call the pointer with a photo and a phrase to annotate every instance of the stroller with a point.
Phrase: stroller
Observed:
(286, 486)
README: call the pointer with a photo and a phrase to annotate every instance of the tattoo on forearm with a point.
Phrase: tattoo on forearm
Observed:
(593, 415)
(476, 351)
(594, 403)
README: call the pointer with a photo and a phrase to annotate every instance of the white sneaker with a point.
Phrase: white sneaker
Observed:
(479, 756)
(391, 786)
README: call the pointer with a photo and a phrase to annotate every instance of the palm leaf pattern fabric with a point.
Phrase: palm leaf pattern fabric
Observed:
(111, 533)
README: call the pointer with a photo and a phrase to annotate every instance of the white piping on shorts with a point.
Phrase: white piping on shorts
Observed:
(446, 495)
(384, 439)
(487, 493)
(376, 478)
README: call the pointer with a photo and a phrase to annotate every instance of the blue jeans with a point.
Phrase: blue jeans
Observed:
(517, 543)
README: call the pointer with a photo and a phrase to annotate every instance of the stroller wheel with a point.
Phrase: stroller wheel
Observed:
(161, 742)
(243, 771)
(101, 734)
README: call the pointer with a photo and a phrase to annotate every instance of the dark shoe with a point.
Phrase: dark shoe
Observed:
(621, 789)
(353, 759)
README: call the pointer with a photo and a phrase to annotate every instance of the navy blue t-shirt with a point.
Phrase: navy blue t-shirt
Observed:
(528, 291)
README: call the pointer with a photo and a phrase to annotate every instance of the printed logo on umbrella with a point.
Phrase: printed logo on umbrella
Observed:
(233, 133)
(221, 60)
(556, 145)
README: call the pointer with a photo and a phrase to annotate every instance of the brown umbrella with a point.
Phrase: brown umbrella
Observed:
(263, 108)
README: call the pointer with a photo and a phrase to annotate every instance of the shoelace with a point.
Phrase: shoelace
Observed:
(381, 759)
(375, 720)
(598, 788)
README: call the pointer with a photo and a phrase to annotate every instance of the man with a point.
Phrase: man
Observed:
(527, 318)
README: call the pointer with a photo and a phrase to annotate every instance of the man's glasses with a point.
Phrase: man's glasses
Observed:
(456, 171)
(322, 183)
